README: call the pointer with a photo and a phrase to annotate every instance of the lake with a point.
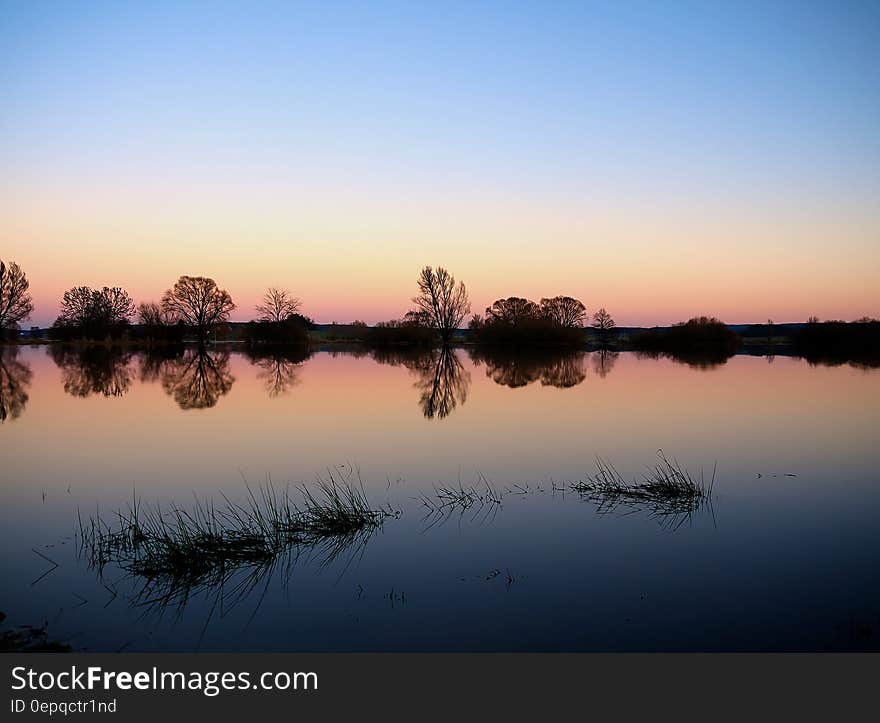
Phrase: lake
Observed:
(782, 557)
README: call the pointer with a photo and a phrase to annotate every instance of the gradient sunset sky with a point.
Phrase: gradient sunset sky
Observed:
(661, 159)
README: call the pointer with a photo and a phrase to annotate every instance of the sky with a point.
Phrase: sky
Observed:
(662, 160)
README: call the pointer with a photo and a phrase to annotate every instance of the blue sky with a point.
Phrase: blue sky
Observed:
(501, 115)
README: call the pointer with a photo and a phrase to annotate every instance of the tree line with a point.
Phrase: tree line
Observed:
(198, 305)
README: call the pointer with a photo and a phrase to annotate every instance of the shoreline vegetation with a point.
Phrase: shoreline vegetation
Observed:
(196, 311)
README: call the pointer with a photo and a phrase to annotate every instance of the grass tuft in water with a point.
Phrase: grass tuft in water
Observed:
(667, 490)
(482, 499)
(203, 543)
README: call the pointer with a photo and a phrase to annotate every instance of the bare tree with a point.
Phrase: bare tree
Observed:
(95, 312)
(198, 302)
(76, 307)
(153, 315)
(116, 305)
(512, 310)
(15, 301)
(564, 311)
(442, 301)
(278, 305)
(603, 324)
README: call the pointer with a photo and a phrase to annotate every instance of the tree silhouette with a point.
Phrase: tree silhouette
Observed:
(15, 378)
(564, 311)
(519, 323)
(278, 305)
(441, 301)
(199, 303)
(603, 325)
(197, 378)
(94, 313)
(513, 310)
(158, 324)
(15, 300)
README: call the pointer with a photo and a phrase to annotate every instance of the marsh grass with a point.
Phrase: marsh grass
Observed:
(667, 491)
(230, 547)
(482, 499)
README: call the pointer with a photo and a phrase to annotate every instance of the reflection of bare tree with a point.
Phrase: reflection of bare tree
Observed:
(604, 361)
(94, 370)
(156, 363)
(278, 369)
(197, 378)
(554, 369)
(566, 371)
(441, 379)
(443, 385)
(15, 378)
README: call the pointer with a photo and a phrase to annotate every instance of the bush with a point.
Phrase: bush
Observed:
(701, 339)
(524, 333)
(838, 341)
(289, 332)
(400, 332)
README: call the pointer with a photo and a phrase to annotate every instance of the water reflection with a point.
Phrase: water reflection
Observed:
(704, 360)
(553, 369)
(15, 378)
(441, 379)
(278, 368)
(89, 370)
(196, 378)
(604, 361)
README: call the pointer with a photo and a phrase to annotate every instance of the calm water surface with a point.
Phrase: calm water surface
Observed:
(785, 559)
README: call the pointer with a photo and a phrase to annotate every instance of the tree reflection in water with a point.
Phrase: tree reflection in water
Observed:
(696, 359)
(278, 368)
(195, 378)
(441, 379)
(15, 378)
(518, 369)
(604, 361)
(92, 369)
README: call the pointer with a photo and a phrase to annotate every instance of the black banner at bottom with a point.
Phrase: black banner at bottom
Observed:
(403, 686)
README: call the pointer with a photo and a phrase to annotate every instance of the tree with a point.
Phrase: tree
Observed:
(158, 325)
(15, 301)
(116, 306)
(93, 312)
(151, 314)
(442, 301)
(564, 311)
(603, 324)
(76, 307)
(198, 302)
(512, 310)
(278, 305)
